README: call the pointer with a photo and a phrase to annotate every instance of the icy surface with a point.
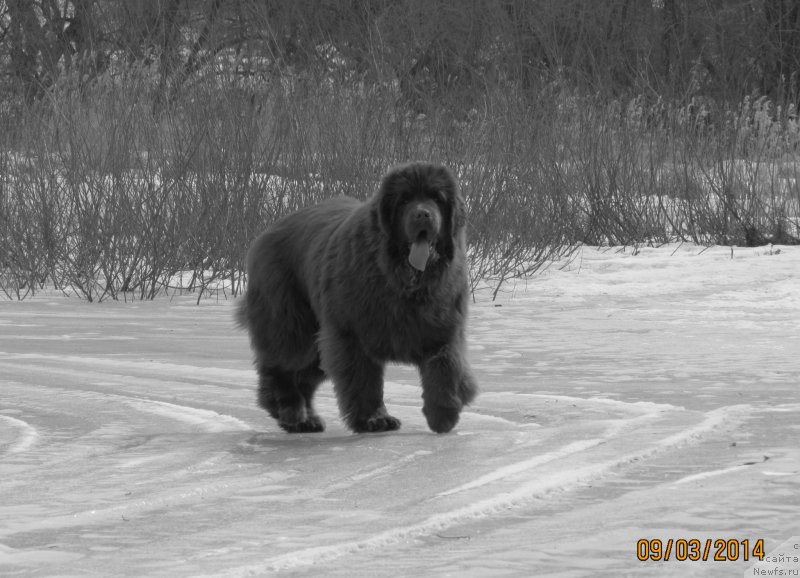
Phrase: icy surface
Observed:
(648, 395)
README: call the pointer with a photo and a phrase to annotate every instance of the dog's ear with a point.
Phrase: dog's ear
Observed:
(444, 181)
(390, 190)
(385, 211)
(459, 207)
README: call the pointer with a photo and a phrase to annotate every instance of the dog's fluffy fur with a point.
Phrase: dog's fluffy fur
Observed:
(339, 289)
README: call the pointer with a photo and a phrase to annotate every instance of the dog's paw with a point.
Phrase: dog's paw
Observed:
(376, 423)
(300, 422)
(441, 419)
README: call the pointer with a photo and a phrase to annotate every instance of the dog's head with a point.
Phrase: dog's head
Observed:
(420, 213)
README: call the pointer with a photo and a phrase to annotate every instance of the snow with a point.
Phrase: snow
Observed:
(625, 395)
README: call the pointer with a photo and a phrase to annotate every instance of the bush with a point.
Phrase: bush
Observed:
(108, 193)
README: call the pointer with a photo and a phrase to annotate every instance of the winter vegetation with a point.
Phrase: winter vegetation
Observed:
(144, 144)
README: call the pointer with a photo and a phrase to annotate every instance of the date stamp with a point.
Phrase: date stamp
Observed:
(700, 550)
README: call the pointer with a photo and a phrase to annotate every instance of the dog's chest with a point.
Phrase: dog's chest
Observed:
(408, 334)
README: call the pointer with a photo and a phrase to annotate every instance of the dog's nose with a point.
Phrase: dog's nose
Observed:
(421, 214)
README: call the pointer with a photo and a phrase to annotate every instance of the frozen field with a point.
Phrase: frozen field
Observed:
(629, 396)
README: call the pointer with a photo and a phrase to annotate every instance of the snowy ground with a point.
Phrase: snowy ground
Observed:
(654, 395)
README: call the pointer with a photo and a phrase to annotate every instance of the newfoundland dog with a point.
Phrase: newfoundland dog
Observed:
(341, 288)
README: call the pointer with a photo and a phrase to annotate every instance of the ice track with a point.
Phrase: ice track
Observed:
(621, 402)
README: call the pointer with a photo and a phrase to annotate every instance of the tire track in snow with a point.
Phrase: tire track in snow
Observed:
(175, 471)
(203, 419)
(200, 419)
(572, 448)
(648, 412)
(118, 366)
(561, 480)
(27, 438)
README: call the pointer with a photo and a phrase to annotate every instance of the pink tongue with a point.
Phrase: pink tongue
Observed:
(418, 257)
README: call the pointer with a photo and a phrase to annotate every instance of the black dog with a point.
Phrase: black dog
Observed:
(341, 288)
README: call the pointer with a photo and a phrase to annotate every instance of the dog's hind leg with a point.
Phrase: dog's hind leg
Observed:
(287, 396)
(307, 381)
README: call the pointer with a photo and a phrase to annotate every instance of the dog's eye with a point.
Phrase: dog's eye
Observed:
(439, 196)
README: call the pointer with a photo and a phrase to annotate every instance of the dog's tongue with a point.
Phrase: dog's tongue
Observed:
(418, 257)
